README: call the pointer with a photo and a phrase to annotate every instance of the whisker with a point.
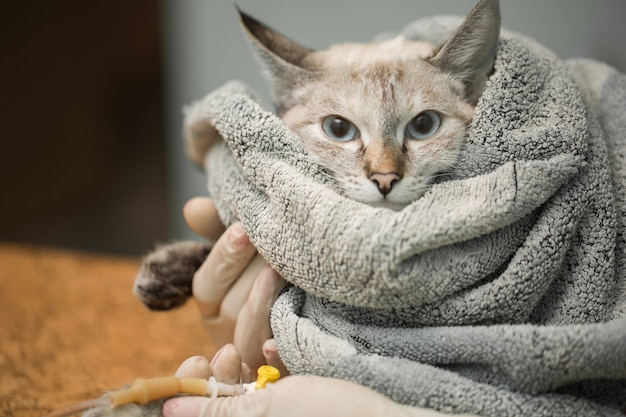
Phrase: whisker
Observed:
(439, 175)
(307, 43)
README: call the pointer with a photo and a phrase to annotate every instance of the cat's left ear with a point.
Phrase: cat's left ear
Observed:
(471, 50)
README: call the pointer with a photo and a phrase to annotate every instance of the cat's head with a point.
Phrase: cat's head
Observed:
(386, 118)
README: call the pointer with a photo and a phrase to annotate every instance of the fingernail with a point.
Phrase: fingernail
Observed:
(269, 353)
(183, 407)
(217, 355)
(194, 367)
(238, 236)
(270, 350)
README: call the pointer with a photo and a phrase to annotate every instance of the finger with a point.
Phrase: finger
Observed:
(226, 365)
(239, 292)
(201, 217)
(253, 327)
(222, 327)
(194, 367)
(270, 352)
(257, 405)
(224, 264)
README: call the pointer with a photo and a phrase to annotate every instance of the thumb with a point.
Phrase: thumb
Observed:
(254, 405)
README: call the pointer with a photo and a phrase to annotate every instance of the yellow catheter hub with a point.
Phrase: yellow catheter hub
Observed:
(266, 375)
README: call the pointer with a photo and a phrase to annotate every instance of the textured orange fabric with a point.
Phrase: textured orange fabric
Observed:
(70, 329)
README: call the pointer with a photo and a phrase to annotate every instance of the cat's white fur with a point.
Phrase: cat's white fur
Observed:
(380, 88)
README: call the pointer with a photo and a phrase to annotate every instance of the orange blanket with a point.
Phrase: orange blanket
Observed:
(70, 329)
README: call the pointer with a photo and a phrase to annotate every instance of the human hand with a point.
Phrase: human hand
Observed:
(291, 396)
(234, 288)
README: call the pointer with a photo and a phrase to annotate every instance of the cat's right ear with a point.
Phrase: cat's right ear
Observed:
(281, 58)
(470, 51)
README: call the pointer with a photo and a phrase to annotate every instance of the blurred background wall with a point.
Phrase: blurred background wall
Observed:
(82, 161)
(91, 154)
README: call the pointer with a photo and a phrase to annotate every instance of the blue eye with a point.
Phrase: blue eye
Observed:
(339, 129)
(423, 126)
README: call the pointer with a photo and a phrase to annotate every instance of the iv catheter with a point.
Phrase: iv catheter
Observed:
(142, 391)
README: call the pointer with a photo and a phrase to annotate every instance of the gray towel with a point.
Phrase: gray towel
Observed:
(500, 292)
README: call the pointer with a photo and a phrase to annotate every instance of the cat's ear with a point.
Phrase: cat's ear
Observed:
(471, 50)
(281, 57)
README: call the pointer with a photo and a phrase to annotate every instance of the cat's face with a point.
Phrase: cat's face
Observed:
(384, 121)
(386, 118)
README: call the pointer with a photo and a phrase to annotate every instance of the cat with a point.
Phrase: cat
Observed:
(385, 118)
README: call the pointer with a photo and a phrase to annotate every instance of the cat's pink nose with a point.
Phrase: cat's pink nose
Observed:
(384, 181)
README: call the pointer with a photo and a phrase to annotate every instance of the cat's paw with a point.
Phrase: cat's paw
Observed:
(164, 280)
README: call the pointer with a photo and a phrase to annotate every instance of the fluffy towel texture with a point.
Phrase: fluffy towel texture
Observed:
(500, 292)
